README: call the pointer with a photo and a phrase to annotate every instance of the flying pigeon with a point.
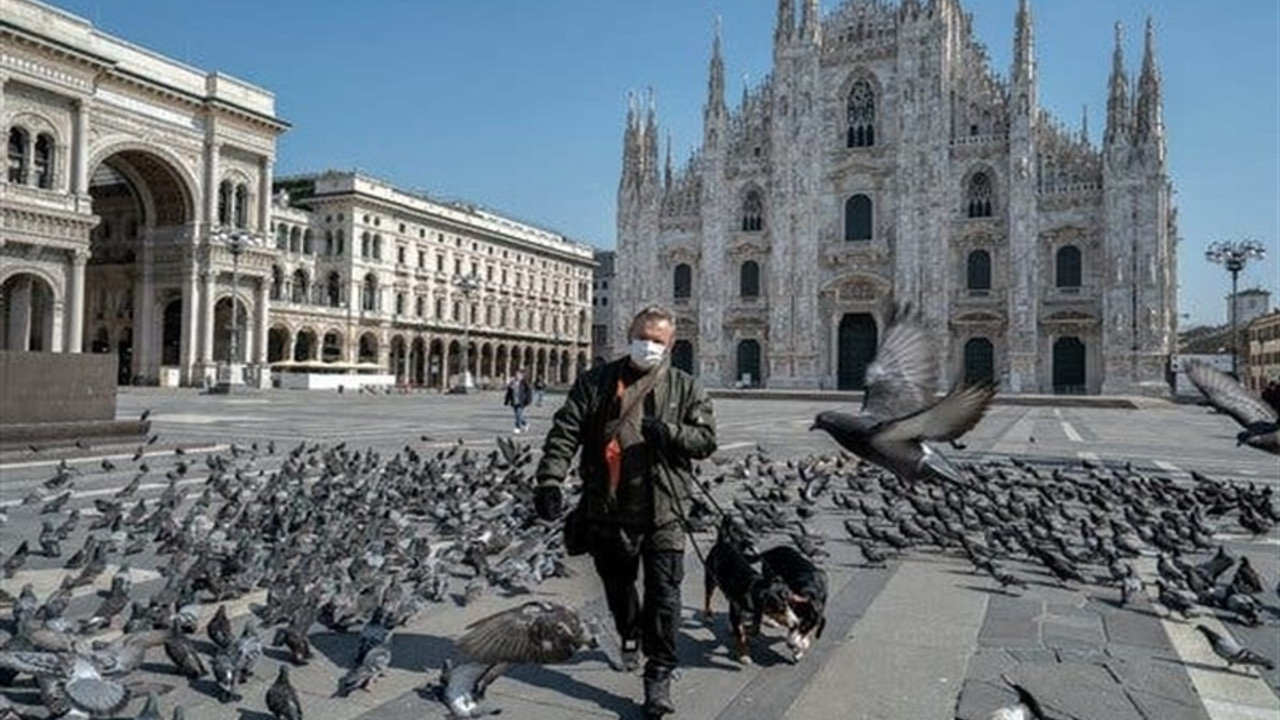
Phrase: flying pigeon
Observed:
(1259, 420)
(536, 632)
(899, 412)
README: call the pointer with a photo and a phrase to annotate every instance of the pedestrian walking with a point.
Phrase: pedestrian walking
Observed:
(640, 424)
(518, 396)
(539, 390)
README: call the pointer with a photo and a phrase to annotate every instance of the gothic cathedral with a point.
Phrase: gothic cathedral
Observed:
(883, 160)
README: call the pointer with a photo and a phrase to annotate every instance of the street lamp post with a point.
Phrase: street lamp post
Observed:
(236, 241)
(468, 284)
(1234, 255)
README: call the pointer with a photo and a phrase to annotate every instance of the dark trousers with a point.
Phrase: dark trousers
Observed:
(655, 621)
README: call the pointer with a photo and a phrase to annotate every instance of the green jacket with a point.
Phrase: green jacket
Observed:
(677, 400)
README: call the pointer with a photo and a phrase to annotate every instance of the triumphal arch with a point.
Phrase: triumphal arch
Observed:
(126, 173)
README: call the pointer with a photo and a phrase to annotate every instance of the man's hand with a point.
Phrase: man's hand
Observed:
(548, 502)
(656, 432)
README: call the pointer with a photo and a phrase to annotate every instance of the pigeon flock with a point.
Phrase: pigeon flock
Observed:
(358, 543)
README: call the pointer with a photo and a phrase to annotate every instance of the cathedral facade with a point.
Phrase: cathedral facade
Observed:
(883, 160)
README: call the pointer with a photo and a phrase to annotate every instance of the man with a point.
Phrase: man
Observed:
(640, 424)
(518, 397)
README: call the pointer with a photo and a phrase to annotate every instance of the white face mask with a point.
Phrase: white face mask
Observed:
(646, 354)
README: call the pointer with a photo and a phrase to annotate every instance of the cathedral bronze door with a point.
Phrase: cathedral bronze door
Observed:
(682, 356)
(749, 363)
(979, 361)
(1068, 366)
(857, 348)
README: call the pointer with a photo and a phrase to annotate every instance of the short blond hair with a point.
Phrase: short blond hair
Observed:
(652, 313)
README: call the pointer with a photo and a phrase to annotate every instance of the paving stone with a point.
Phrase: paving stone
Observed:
(1034, 655)
(1076, 690)
(989, 664)
(1079, 633)
(1011, 622)
(978, 699)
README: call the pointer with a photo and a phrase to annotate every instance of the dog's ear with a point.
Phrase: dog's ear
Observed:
(796, 598)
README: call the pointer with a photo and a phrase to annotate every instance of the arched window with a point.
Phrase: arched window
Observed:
(399, 303)
(862, 115)
(753, 212)
(857, 218)
(1067, 266)
(979, 361)
(295, 239)
(277, 283)
(978, 195)
(308, 245)
(224, 202)
(242, 206)
(377, 247)
(282, 237)
(335, 290)
(420, 305)
(43, 164)
(366, 245)
(978, 273)
(749, 279)
(328, 242)
(18, 140)
(341, 242)
(370, 292)
(300, 286)
(683, 281)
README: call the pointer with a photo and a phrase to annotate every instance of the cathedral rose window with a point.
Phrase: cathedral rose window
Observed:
(862, 116)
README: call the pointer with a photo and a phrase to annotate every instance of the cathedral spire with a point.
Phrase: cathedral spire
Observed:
(630, 142)
(666, 172)
(785, 29)
(1148, 125)
(715, 75)
(650, 139)
(810, 21)
(1023, 45)
(1117, 131)
(1084, 125)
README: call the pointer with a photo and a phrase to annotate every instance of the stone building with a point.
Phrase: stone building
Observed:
(883, 158)
(1261, 361)
(120, 163)
(127, 171)
(602, 348)
(368, 273)
(1248, 304)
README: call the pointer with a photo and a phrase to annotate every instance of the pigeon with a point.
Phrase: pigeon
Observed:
(536, 632)
(1027, 707)
(219, 628)
(1225, 647)
(899, 412)
(1259, 420)
(282, 699)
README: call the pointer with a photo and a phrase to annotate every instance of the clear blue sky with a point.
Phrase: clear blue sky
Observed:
(519, 104)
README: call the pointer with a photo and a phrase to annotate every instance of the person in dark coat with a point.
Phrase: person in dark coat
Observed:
(636, 476)
(518, 396)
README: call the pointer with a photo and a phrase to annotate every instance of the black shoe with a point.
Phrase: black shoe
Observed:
(630, 655)
(657, 697)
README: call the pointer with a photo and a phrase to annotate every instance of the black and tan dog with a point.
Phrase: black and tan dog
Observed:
(806, 594)
(751, 597)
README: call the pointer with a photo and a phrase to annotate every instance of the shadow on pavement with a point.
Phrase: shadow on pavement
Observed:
(552, 679)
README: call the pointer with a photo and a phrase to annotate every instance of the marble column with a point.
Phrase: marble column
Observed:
(260, 344)
(20, 314)
(264, 195)
(212, 153)
(80, 157)
(74, 305)
(206, 317)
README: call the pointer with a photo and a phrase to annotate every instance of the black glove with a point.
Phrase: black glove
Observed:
(548, 502)
(655, 432)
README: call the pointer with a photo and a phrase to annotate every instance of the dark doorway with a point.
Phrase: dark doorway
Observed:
(171, 334)
(1068, 366)
(124, 353)
(979, 361)
(682, 356)
(857, 348)
(749, 363)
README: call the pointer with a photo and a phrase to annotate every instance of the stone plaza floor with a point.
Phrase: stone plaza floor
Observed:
(923, 638)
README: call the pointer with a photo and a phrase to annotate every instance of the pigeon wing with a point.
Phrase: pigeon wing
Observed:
(535, 632)
(1229, 396)
(44, 664)
(100, 698)
(947, 419)
(903, 377)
